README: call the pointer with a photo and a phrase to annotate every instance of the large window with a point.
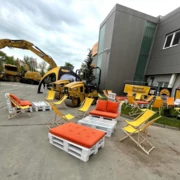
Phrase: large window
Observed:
(172, 39)
(144, 51)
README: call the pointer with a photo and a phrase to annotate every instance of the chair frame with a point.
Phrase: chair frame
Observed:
(83, 103)
(18, 108)
(140, 134)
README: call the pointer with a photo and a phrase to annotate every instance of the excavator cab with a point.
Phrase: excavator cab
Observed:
(52, 78)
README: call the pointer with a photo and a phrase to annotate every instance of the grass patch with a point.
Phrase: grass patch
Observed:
(170, 121)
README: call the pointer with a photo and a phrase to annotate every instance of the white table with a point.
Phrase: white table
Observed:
(41, 106)
(100, 124)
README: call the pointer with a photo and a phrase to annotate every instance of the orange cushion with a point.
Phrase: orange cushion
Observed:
(78, 134)
(15, 98)
(25, 103)
(104, 114)
(121, 98)
(101, 105)
(112, 106)
(141, 102)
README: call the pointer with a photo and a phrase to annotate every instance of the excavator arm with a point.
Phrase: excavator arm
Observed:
(23, 44)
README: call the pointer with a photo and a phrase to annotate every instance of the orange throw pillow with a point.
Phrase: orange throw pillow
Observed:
(101, 105)
(112, 106)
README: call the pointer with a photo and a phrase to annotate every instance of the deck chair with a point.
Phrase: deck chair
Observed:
(150, 98)
(61, 101)
(141, 134)
(170, 102)
(138, 96)
(130, 93)
(105, 93)
(136, 109)
(109, 91)
(19, 109)
(142, 118)
(63, 118)
(50, 95)
(157, 104)
(85, 106)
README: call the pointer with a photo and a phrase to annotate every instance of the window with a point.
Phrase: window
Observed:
(172, 39)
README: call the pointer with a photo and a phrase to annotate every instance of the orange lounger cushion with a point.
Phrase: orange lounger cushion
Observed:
(104, 114)
(121, 98)
(78, 134)
(141, 102)
(25, 103)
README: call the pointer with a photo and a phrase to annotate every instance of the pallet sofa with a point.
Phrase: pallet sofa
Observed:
(77, 140)
(106, 110)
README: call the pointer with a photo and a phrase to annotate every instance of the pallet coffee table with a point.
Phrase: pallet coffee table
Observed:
(104, 125)
(41, 106)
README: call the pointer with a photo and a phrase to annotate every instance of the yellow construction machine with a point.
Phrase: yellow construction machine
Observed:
(78, 91)
(12, 73)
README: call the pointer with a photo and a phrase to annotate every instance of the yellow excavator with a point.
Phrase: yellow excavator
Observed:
(12, 73)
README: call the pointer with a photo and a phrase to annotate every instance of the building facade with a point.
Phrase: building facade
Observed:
(137, 47)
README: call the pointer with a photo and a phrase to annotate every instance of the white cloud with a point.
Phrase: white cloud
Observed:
(64, 29)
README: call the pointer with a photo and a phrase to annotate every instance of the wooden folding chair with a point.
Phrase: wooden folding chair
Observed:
(63, 118)
(158, 103)
(18, 108)
(61, 101)
(85, 106)
(138, 96)
(141, 132)
(105, 93)
(50, 95)
(170, 102)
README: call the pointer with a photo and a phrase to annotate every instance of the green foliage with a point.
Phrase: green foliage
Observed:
(69, 65)
(163, 120)
(86, 70)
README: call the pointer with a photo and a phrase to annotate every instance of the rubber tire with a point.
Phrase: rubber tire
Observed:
(17, 79)
(11, 79)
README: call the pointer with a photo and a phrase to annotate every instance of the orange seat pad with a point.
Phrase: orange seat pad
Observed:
(78, 134)
(121, 98)
(104, 114)
(141, 102)
(25, 103)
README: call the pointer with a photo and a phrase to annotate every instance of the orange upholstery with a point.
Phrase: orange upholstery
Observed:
(142, 102)
(25, 103)
(112, 106)
(121, 98)
(101, 105)
(15, 98)
(104, 114)
(78, 134)
(21, 102)
(111, 110)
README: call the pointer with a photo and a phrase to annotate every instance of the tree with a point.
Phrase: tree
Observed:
(42, 66)
(69, 66)
(49, 68)
(86, 70)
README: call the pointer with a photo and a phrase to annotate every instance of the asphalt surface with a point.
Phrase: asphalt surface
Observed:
(26, 154)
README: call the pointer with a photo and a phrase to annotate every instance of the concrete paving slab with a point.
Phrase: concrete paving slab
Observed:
(25, 152)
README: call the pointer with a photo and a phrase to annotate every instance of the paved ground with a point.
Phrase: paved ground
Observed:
(25, 153)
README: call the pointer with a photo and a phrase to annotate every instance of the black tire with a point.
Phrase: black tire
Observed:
(17, 79)
(11, 79)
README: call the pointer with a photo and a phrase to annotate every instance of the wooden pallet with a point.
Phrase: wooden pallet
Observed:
(78, 151)
(101, 117)
(104, 125)
(41, 106)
